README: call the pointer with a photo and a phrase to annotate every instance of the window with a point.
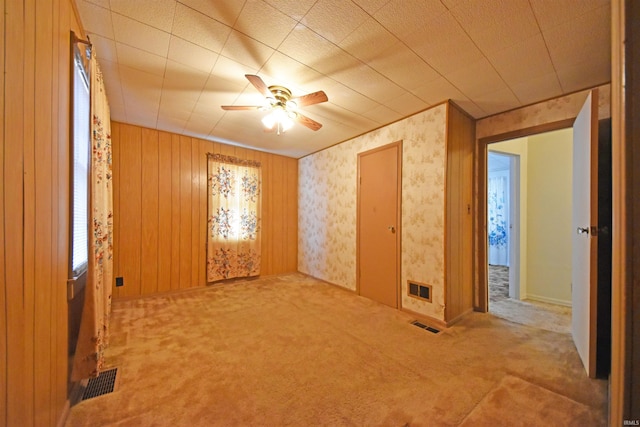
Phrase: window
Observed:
(234, 200)
(80, 155)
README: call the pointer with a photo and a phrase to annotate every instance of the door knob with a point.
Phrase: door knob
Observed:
(583, 230)
(392, 229)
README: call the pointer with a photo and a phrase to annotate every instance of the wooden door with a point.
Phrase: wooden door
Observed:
(378, 235)
(585, 226)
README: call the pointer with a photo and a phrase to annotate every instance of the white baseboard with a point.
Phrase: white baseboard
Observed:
(549, 300)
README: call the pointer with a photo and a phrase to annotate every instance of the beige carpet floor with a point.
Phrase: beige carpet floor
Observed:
(293, 351)
(550, 317)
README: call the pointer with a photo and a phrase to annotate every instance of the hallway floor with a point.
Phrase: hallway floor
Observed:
(550, 317)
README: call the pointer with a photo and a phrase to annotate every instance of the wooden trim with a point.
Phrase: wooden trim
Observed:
(342, 288)
(456, 319)
(65, 413)
(445, 217)
(620, 376)
(457, 210)
(4, 333)
(418, 297)
(424, 318)
(593, 239)
(76, 14)
(398, 233)
(533, 130)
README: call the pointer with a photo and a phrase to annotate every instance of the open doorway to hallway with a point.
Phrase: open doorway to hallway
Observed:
(529, 187)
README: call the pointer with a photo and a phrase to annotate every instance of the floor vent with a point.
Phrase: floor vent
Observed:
(425, 327)
(102, 384)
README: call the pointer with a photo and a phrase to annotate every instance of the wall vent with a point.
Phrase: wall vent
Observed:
(425, 327)
(104, 383)
(419, 290)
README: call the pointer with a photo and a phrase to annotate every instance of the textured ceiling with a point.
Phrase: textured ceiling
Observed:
(170, 64)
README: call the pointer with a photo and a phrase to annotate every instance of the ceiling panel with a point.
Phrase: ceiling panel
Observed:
(200, 29)
(96, 19)
(495, 28)
(171, 64)
(156, 13)
(523, 61)
(104, 48)
(223, 11)
(535, 88)
(477, 78)
(140, 60)
(311, 49)
(334, 19)
(407, 17)
(139, 35)
(438, 90)
(576, 41)
(557, 12)
(497, 101)
(264, 23)
(444, 45)
(368, 82)
(244, 50)
(406, 104)
(293, 8)
(191, 54)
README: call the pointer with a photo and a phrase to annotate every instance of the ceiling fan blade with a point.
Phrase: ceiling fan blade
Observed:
(306, 121)
(240, 107)
(259, 84)
(311, 98)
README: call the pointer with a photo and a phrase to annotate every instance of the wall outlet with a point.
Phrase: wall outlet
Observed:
(119, 281)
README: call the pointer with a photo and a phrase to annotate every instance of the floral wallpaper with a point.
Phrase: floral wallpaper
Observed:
(327, 210)
(553, 110)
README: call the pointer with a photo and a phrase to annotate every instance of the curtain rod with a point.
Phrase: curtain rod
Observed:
(233, 160)
(79, 40)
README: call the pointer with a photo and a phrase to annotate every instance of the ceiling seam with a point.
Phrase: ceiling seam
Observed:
(413, 92)
(546, 47)
(166, 60)
(488, 60)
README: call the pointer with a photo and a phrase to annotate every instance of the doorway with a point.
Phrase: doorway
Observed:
(529, 229)
(378, 231)
(503, 224)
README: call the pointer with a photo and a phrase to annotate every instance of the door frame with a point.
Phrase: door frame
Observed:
(514, 222)
(481, 288)
(398, 233)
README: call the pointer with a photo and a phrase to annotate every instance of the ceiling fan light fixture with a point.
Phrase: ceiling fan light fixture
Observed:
(291, 105)
(269, 121)
(281, 107)
(279, 117)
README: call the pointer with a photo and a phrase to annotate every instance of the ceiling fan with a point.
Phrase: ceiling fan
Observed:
(282, 106)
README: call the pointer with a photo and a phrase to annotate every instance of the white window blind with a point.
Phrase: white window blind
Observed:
(81, 136)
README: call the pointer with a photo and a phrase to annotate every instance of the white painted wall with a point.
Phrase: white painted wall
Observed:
(545, 214)
(549, 226)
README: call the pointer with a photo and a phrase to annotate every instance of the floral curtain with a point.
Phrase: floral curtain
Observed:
(94, 327)
(233, 226)
(498, 204)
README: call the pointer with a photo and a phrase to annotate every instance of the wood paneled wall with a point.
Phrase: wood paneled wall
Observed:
(34, 209)
(459, 218)
(160, 209)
